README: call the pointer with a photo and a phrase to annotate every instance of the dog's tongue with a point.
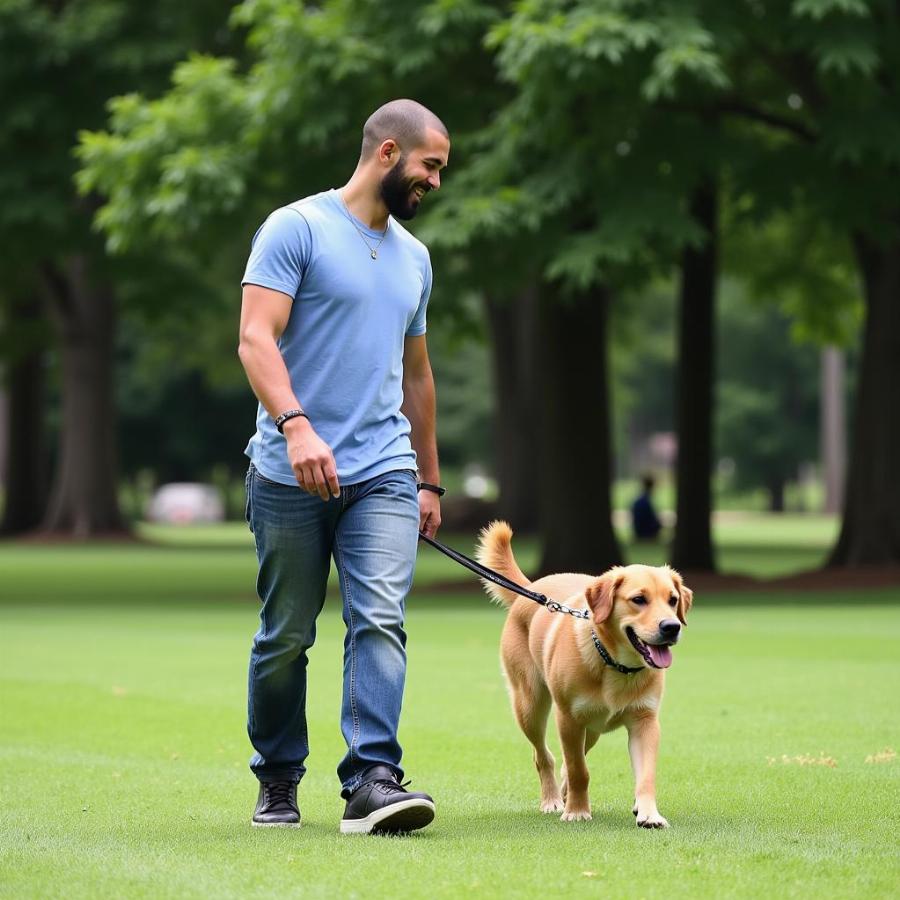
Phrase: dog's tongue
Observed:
(661, 656)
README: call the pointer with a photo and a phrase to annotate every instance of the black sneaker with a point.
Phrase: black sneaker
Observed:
(276, 806)
(381, 805)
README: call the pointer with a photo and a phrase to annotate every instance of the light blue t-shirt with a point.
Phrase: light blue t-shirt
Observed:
(343, 344)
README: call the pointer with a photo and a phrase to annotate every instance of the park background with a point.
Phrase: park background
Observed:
(668, 240)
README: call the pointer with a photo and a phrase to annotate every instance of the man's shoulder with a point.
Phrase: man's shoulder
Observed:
(314, 208)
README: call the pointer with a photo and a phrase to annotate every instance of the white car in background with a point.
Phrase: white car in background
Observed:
(186, 503)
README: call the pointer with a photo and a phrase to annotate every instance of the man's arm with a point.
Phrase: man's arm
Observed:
(419, 407)
(264, 316)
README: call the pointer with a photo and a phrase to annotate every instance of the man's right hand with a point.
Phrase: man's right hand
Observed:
(311, 459)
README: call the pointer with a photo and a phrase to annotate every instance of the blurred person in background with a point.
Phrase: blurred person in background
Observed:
(644, 521)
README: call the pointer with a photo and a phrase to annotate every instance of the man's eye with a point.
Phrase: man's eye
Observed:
(640, 600)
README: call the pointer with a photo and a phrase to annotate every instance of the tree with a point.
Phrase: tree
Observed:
(802, 299)
(603, 169)
(692, 547)
(767, 395)
(25, 478)
(60, 62)
(835, 64)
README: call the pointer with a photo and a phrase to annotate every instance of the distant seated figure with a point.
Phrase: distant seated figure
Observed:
(644, 520)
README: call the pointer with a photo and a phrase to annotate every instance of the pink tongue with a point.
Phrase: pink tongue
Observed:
(661, 656)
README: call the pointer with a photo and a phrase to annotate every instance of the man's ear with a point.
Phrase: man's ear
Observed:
(388, 150)
(601, 594)
(685, 598)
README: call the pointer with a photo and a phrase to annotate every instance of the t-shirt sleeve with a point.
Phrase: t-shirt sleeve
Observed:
(417, 326)
(280, 252)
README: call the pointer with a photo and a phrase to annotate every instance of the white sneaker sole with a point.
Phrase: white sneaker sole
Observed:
(398, 818)
(274, 824)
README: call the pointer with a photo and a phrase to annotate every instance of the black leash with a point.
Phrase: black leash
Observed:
(543, 599)
(503, 581)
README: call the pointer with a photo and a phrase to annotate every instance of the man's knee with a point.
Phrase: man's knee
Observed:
(287, 640)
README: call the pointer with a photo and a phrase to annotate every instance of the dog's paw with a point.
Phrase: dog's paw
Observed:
(650, 820)
(575, 815)
(553, 805)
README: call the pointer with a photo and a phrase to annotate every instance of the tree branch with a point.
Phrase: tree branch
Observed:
(736, 107)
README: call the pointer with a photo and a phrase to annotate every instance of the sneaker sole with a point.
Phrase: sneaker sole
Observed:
(398, 818)
(256, 824)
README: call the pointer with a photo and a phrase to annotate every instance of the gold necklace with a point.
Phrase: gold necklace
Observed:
(373, 251)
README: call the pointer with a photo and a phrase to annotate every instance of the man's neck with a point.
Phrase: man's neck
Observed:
(364, 202)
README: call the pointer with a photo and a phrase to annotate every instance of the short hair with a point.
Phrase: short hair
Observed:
(404, 121)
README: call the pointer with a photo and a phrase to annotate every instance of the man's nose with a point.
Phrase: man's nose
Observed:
(669, 628)
(434, 181)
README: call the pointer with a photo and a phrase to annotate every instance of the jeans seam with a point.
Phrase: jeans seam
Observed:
(251, 718)
(354, 737)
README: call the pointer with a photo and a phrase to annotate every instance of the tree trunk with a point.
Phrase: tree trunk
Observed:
(692, 548)
(571, 427)
(25, 478)
(513, 326)
(870, 531)
(84, 498)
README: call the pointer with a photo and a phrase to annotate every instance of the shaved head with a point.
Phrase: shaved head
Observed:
(403, 121)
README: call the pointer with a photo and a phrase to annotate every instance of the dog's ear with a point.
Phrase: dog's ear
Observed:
(601, 594)
(685, 598)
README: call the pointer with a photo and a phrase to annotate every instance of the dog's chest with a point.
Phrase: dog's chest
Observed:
(605, 710)
(592, 711)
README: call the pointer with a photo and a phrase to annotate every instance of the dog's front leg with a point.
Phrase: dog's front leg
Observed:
(643, 746)
(571, 737)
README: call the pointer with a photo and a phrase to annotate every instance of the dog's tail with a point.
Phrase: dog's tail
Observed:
(495, 552)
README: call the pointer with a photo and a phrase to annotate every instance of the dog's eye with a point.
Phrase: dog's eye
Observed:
(640, 600)
(673, 601)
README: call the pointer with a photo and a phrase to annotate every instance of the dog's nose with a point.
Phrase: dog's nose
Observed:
(669, 628)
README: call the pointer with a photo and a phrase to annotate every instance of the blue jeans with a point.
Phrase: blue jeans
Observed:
(371, 530)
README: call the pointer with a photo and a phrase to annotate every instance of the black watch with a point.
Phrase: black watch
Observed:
(434, 488)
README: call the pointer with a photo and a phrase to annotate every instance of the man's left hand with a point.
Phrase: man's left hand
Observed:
(429, 513)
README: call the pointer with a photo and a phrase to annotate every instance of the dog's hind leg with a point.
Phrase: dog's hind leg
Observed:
(531, 704)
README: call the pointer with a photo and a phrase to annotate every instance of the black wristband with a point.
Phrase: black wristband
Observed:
(434, 488)
(285, 416)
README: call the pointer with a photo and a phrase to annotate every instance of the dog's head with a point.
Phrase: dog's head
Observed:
(643, 609)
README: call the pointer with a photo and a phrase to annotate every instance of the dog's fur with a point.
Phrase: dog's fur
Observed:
(551, 658)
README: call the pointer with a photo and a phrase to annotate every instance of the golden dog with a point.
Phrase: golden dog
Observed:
(636, 616)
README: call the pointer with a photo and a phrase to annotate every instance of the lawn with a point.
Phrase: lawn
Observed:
(122, 686)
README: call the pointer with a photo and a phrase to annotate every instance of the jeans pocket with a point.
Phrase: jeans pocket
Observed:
(259, 475)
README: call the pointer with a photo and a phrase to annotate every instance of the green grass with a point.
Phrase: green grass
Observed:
(122, 688)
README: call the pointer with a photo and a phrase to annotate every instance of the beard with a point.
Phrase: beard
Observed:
(397, 192)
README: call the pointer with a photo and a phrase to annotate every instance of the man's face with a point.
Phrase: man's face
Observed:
(414, 175)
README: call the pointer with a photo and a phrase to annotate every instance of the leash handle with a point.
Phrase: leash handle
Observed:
(501, 580)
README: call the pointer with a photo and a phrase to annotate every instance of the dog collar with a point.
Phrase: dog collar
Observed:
(625, 670)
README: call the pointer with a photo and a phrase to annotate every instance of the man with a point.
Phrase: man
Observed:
(332, 339)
